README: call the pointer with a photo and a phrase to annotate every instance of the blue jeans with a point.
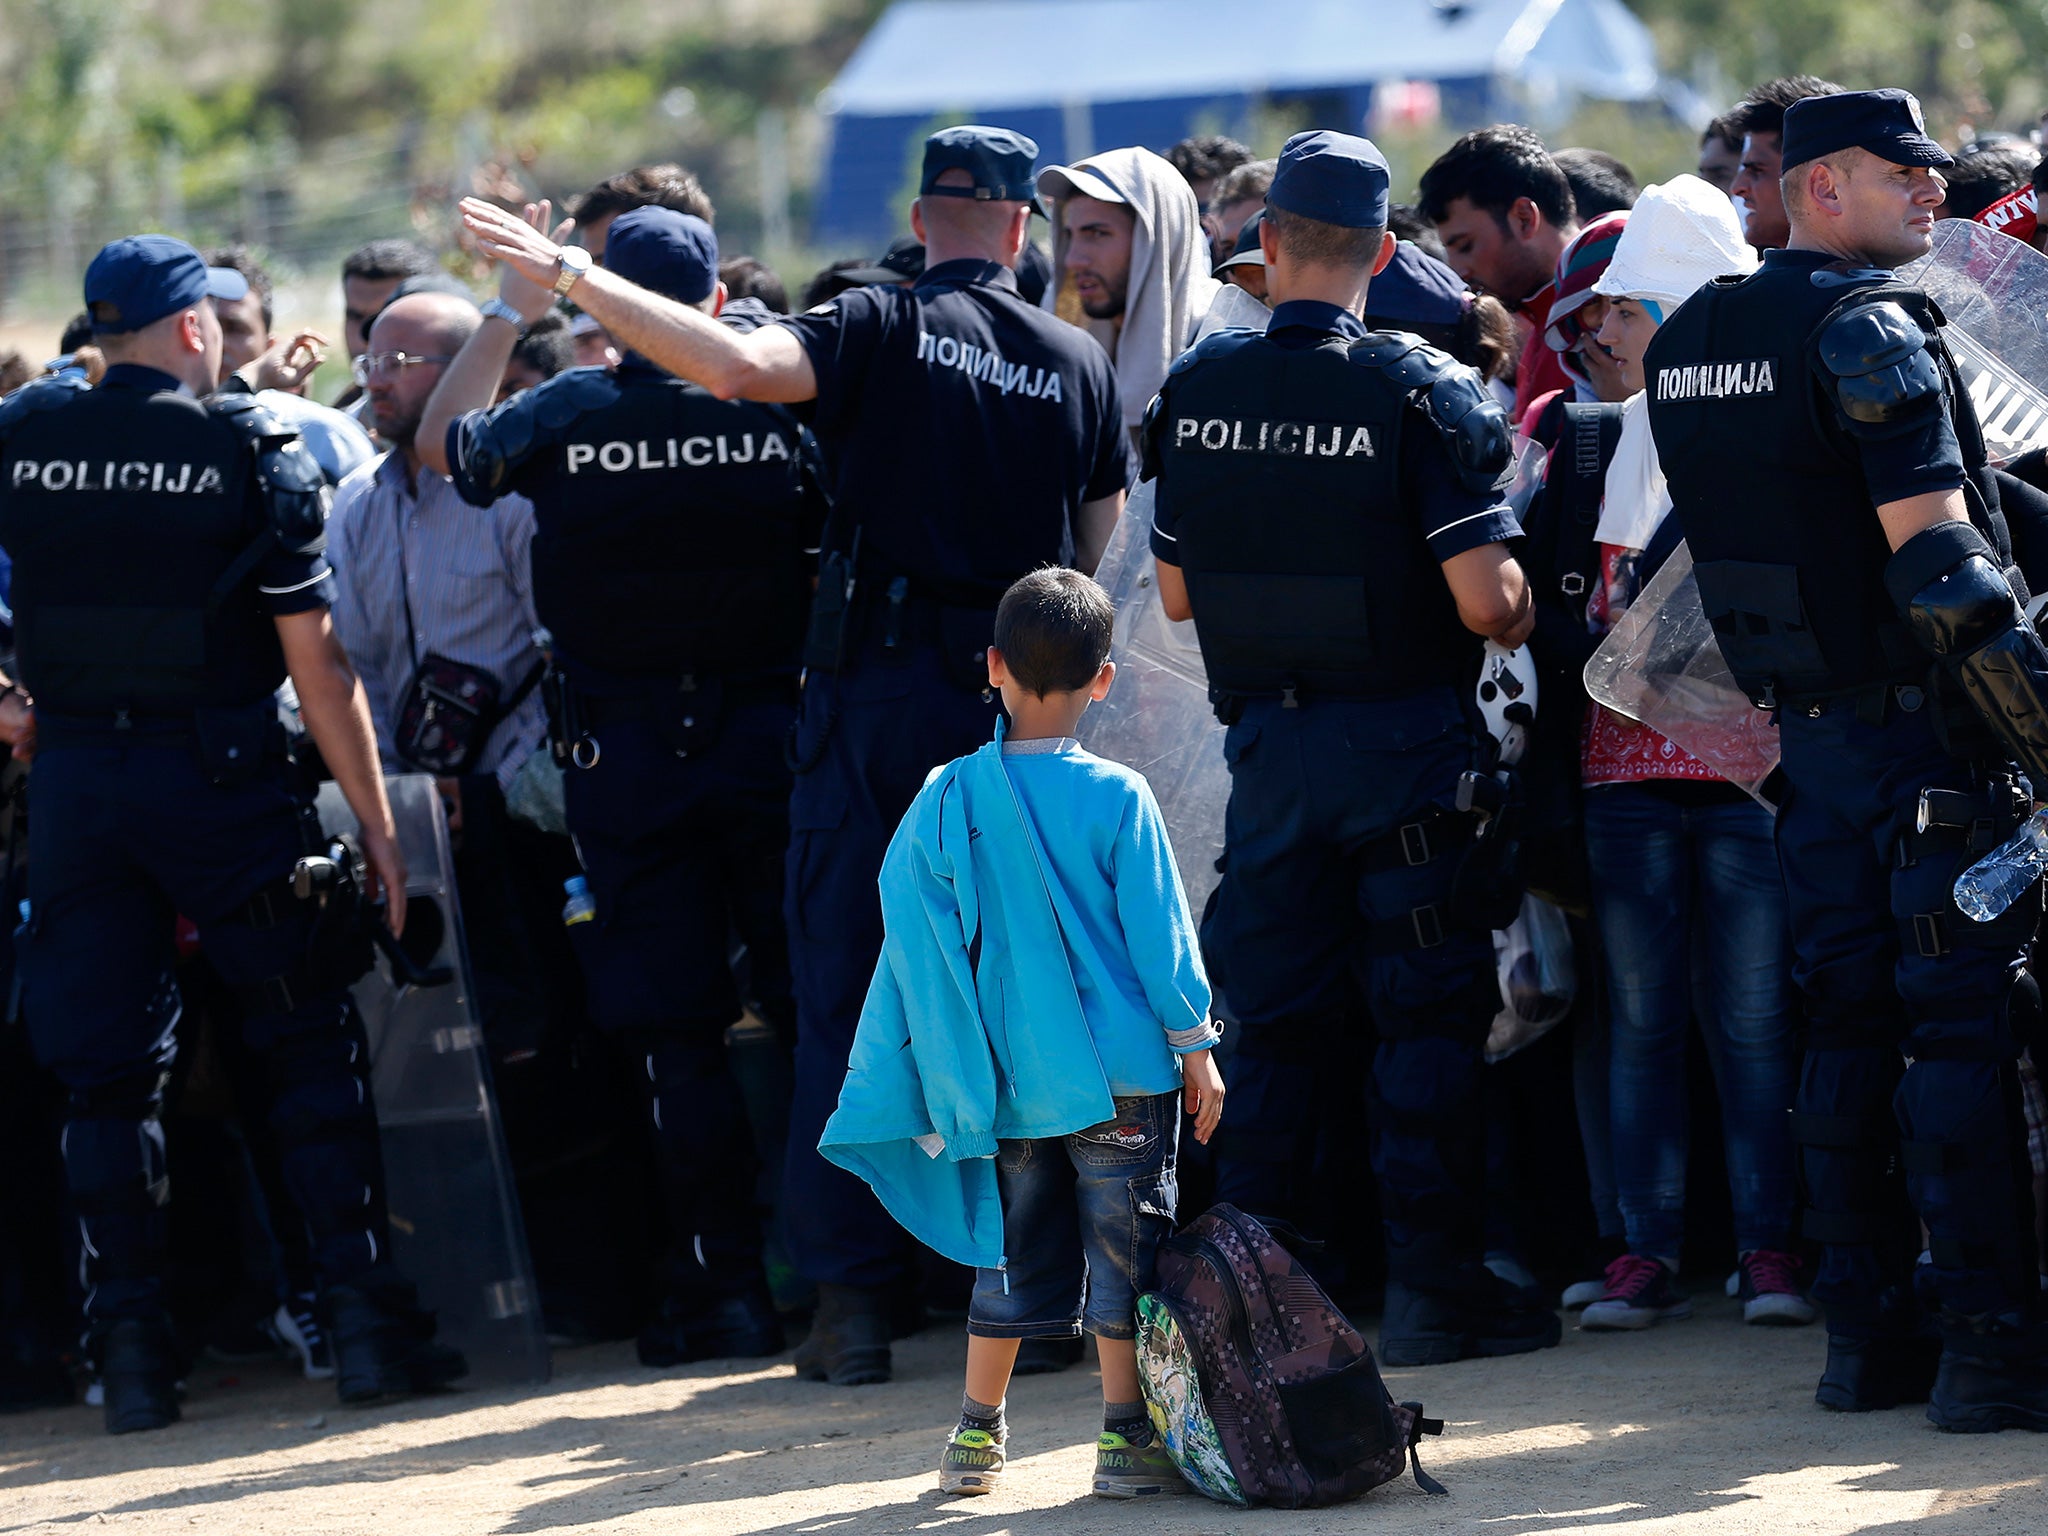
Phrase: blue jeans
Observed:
(1082, 1218)
(1692, 916)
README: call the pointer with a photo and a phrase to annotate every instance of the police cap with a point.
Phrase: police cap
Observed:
(1333, 178)
(998, 160)
(1247, 252)
(1888, 123)
(671, 253)
(903, 262)
(1416, 290)
(138, 279)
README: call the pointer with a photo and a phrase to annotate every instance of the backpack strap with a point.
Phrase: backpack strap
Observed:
(1585, 447)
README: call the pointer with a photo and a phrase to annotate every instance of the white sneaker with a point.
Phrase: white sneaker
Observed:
(1768, 1283)
(1640, 1293)
(295, 1327)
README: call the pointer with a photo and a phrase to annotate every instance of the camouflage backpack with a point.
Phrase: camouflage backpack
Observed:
(1261, 1390)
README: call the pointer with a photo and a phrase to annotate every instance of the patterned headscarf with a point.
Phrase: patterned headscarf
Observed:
(1579, 267)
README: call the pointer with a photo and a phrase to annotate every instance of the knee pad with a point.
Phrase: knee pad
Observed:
(115, 1164)
(319, 1077)
(138, 1096)
(691, 1092)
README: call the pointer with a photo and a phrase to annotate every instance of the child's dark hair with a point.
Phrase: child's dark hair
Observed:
(1054, 629)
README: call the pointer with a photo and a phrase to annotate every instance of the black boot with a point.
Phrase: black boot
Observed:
(384, 1344)
(849, 1340)
(1866, 1375)
(1993, 1376)
(138, 1372)
(741, 1327)
(1483, 1317)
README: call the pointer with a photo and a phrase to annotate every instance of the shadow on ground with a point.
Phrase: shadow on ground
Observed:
(1704, 1428)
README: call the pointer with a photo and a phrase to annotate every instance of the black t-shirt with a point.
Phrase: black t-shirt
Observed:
(126, 509)
(673, 530)
(963, 428)
(1909, 463)
(1452, 518)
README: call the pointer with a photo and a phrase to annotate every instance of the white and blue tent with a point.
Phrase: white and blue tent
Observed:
(1083, 75)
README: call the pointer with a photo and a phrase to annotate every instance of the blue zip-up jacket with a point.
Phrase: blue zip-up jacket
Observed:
(1038, 961)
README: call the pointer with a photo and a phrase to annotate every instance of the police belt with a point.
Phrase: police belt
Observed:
(119, 728)
(1331, 688)
(896, 617)
(1873, 703)
(663, 699)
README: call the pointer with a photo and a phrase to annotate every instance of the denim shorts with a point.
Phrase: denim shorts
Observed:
(1082, 1218)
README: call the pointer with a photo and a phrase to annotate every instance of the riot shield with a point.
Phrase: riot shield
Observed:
(1660, 664)
(455, 1220)
(1993, 291)
(1157, 718)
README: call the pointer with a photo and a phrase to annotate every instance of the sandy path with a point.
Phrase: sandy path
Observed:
(1702, 1428)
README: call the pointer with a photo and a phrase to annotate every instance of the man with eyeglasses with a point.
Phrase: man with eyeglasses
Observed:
(168, 576)
(425, 579)
(399, 529)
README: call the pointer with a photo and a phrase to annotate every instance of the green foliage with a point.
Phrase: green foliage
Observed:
(1970, 61)
(306, 126)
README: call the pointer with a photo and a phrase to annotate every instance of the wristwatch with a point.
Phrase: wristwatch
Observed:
(571, 262)
(506, 313)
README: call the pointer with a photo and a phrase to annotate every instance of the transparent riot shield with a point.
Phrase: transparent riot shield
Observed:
(1660, 664)
(1157, 718)
(1993, 291)
(455, 1221)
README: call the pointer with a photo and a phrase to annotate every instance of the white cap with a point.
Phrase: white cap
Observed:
(1083, 180)
(1679, 237)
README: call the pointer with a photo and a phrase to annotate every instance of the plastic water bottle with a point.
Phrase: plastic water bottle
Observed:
(581, 907)
(2002, 877)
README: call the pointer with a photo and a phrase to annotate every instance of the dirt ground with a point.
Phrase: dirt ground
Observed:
(1699, 1428)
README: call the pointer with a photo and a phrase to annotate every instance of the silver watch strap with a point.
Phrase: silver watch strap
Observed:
(505, 312)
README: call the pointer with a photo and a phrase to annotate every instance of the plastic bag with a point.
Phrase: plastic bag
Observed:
(1538, 977)
(1661, 664)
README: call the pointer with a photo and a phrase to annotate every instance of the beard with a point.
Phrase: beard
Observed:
(394, 424)
(1110, 306)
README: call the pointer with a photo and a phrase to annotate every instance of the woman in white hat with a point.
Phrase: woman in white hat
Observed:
(1686, 889)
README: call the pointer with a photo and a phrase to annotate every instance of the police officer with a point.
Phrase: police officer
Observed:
(168, 575)
(970, 438)
(1329, 514)
(671, 563)
(1829, 473)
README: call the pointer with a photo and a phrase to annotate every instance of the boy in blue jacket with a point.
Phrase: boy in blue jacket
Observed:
(1040, 998)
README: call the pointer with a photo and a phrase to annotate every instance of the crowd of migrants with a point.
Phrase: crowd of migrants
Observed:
(734, 595)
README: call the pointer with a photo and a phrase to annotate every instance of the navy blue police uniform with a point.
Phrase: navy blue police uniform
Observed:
(1906, 687)
(672, 553)
(1311, 483)
(156, 538)
(963, 429)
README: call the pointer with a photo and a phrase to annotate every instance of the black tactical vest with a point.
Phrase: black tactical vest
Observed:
(125, 513)
(1768, 487)
(670, 530)
(1305, 568)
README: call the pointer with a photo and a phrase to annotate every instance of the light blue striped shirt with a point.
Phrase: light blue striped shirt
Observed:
(471, 590)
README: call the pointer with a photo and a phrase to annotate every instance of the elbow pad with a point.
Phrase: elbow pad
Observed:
(1947, 583)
